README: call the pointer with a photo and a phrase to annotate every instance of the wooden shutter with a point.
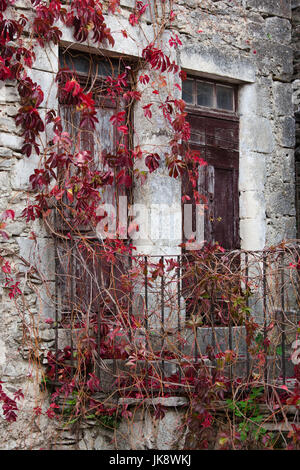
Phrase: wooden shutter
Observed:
(217, 140)
(88, 283)
(298, 197)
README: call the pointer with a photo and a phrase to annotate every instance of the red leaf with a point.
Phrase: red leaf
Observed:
(8, 214)
(72, 86)
(147, 110)
(123, 129)
(4, 235)
(144, 79)
(152, 161)
(117, 118)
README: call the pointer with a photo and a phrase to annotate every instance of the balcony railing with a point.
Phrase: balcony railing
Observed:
(150, 320)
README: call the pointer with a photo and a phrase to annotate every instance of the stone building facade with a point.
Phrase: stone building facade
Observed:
(296, 84)
(251, 45)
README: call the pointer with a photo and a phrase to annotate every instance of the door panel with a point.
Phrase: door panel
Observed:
(218, 144)
(223, 217)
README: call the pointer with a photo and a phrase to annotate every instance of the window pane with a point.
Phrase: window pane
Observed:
(224, 97)
(205, 94)
(89, 65)
(76, 63)
(104, 69)
(187, 91)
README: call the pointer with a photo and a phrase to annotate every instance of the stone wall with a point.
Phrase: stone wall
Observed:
(296, 47)
(296, 97)
(247, 42)
(250, 42)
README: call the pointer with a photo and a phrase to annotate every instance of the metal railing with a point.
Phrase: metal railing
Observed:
(236, 312)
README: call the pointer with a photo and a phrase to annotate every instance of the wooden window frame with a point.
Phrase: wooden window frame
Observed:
(225, 115)
(213, 111)
(297, 194)
(88, 83)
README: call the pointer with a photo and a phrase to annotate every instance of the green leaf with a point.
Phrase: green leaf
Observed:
(259, 338)
(71, 402)
(258, 419)
(73, 421)
(255, 392)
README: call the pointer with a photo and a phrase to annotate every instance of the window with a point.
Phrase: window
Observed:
(297, 190)
(104, 142)
(87, 283)
(212, 115)
(209, 95)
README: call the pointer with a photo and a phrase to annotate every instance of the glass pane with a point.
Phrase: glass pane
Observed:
(90, 65)
(205, 94)
(76, 63)
(187, 91)
(104, 69)
(225, 98)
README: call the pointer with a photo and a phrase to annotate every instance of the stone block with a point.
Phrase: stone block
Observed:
(172, 402)
(46, 301)
(47, 82)
(274, 58)
(3, 353)
(252, 204)
(47, 58)
(22, 170)
(4, 184)
(256, 134)
(252, 234)
(11, 141)
(131, 46)
(278, 30)
(167, 433)
(252, 172)
(17, 227)
(216, 62)
(283, 96)
(221, 336)
(5, 152)
(256, 98)
(271, 7)
(280, 228)
(127, 3)
(288, 165)
(7, 124)
(8, 94)
(5, 164)
(281, 202)
(39, 254)
(286, 132)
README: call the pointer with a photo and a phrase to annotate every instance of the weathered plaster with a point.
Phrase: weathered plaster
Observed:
(248, 44)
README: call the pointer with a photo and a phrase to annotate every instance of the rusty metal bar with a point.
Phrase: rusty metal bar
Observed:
(56, 310)
(265, 313)
(247, 305)
(146, 295)
(163, 314)
(282, 320)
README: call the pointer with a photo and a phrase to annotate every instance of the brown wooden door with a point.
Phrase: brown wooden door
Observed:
(217, 141)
